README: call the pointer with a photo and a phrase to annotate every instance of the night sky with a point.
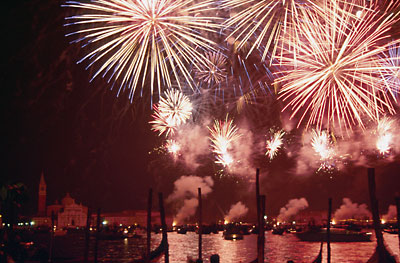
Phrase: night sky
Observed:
(96, 146)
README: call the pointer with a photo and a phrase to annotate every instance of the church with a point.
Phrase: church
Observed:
(66, 214)
(69, 214)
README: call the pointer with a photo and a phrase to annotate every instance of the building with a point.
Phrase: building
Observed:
(69, 213)
(42, 197)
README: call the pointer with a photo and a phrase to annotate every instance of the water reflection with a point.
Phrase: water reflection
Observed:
(277, 249)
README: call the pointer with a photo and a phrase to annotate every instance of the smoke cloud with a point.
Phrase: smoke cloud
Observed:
(349, 210)
(194, 142)
(292, 208)
(237, 210)
(391, 214)
(186, 189)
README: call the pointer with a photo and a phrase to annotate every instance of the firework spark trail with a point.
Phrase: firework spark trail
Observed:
(133, 40)
(385, 136)
(274, 144)
(322, 145)
(335, 78)
(222, 135)
(172, 111)
(261, 22)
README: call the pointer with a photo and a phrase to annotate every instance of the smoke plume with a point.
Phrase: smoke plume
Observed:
(391, 214)
(292, 208)
(237, 210)
(349, 210)
(185, 192)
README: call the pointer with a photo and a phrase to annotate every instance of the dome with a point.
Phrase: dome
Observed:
(67, 200)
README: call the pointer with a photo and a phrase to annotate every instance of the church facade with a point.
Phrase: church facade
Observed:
(65, 214)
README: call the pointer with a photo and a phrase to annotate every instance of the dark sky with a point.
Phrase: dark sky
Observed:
(96, 146)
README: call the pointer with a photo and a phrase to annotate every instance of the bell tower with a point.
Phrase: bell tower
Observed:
(42, 197)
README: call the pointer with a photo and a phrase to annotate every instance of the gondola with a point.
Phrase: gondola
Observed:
(156, 254)
(387, 257)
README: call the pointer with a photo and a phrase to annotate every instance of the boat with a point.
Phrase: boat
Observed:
(318, 259)
(278, 231)
(156, 254)
(391, 231)
(336, 235)
(181, 230)
(232, 236)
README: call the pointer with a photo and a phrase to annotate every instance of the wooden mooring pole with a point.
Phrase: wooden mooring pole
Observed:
(96, 243)
(148, 229)
(164, 228)
(87, 236)
(200, 225)
(328, 231)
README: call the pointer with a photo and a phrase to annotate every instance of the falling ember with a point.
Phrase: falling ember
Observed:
(145, 43)
(385, 136)
(222, 135)
(274, 144)
(322, 145)
(171, 112)
(335, 75)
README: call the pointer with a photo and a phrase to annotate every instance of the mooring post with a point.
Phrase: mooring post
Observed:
(87, 236)
(96, 243)
(200, 225)
(148, 241)
(164, 228)
(328, 230)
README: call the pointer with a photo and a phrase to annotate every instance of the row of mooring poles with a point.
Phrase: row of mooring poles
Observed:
(148, 230)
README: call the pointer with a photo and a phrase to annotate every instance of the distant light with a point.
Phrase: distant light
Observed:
(226, 222)
(26, 224)
(294, 222)
(383, 221)
(333, 222)
(265, 217)
(278, 223)
(359, 13)
(32, 223)
(174, 223)
(105, 222)
(120, 224)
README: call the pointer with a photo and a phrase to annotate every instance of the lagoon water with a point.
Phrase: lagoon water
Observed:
(277, 248)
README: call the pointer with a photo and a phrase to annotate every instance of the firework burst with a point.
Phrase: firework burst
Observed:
(385, 136)
(173, 147)
(259, 24)
(222, 136)
(322, 145)
(215, 72)
(391, 69)
(171, 112)
(334, 79)
(274, 144)
(136, 40)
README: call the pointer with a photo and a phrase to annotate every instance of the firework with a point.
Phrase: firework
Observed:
(222, 136)
(322, 145)
(215, 72)
(274, 144)
(391, 69)
(385, 136)
(173, 147)
(259, 24)
(136, 40)
(335, 79)
(172, 111)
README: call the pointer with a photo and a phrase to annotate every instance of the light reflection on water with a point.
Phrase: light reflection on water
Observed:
(277, 249)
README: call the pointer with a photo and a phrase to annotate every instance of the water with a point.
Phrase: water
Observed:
(277, 248)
